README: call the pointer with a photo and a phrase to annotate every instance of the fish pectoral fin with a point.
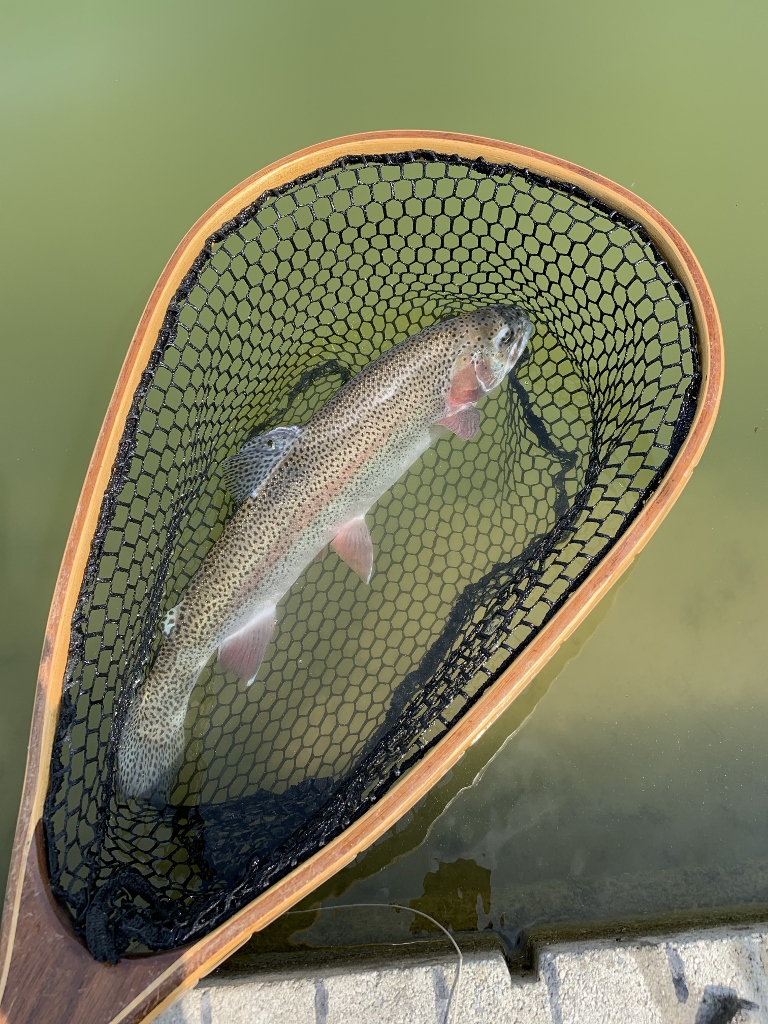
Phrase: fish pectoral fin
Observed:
(465, 423)
(353, 544)
(243, 652)
(245, 471)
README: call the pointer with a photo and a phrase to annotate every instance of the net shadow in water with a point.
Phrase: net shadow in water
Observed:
(475, 548)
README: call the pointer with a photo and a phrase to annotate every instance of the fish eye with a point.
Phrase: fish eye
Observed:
(501, 336)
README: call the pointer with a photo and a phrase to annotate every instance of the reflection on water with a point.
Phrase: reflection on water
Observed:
(456, 894)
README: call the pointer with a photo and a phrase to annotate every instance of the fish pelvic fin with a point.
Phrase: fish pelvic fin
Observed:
(244, 472)
(354, 545)
(243, 652)
(465, 423)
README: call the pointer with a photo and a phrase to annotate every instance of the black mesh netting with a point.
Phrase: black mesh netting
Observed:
(475, 548)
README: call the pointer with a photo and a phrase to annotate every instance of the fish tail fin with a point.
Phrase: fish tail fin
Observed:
(152, 743)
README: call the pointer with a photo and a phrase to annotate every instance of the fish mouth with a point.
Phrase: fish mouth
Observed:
(519, 346)
(520, 327)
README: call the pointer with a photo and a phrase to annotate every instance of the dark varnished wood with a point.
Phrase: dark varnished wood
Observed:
(52, 975)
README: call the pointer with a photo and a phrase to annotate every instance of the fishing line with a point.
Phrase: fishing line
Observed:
(412, 910)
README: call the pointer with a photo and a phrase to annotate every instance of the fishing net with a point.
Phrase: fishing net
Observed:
(475, 548)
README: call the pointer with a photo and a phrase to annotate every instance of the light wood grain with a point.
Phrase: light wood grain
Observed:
(182, 969)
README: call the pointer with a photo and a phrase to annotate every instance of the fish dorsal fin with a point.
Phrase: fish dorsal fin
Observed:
(245, 471)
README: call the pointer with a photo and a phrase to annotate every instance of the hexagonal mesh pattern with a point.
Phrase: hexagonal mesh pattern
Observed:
(475, 548)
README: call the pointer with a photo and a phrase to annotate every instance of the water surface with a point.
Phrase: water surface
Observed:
(633, 781)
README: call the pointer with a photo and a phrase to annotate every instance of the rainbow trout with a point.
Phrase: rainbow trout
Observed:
(303, 488)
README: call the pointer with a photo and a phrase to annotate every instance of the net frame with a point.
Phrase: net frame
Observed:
(441, 757)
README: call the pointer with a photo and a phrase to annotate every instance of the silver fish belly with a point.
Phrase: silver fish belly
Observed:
(302, 489)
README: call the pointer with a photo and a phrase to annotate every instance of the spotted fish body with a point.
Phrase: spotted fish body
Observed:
(303, 488)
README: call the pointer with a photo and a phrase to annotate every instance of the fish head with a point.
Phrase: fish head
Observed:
(488, 344)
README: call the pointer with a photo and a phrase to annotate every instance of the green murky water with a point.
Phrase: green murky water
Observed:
(629, 781)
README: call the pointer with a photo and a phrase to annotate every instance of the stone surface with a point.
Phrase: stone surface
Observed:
(713, 977)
